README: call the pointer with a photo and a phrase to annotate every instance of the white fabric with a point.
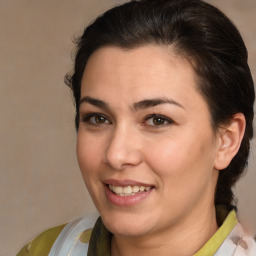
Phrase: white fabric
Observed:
(68, 243)
(237, 244)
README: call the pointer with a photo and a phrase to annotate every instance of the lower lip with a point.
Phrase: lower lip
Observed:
(126, 200)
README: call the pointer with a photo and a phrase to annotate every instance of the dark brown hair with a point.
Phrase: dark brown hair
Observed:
(197, 31)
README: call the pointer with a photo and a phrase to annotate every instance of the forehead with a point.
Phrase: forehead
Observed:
(146, 69)
(148, 57)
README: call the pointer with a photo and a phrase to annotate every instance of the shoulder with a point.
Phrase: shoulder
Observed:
(246, 246)
(61, 240)
(42, 244)
(240, 243)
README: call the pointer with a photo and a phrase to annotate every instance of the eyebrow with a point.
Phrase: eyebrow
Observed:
(94, 102)
(147, 103)
(154, 102)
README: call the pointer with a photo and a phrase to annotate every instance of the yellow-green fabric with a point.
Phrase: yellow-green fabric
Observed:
(42, 244)
(218, 238)
(86, 236)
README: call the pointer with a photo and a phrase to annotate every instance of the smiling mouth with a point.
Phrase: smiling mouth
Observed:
(128, 190)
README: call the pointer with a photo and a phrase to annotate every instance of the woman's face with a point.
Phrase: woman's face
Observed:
(145, 144)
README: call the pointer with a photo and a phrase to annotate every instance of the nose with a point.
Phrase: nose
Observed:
(123, 149)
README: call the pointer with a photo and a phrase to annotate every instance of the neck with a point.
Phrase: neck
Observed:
(178, 240)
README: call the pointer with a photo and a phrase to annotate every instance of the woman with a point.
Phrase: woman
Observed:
(164, 109)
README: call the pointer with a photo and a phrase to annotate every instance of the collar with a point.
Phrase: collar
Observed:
(219, 237)
(100, 241)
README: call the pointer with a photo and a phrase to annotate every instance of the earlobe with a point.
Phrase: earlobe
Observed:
(230, 138)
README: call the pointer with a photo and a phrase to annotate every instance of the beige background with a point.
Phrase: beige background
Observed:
(39, 178)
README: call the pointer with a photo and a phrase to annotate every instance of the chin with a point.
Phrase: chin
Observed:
(127, 225)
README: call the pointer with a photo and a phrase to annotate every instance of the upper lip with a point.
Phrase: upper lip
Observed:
(123, 183)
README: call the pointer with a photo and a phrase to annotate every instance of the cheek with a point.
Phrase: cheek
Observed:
(167, 155)
(184, 172)
(181, 160)
(89, 155)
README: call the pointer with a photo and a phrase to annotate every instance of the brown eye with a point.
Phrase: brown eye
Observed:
(99, 119)
(95, 119)
(157, 120)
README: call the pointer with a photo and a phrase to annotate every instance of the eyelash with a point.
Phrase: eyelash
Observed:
(86, 118)
(164, 121)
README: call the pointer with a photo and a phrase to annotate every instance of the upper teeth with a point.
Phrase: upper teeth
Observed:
(128, 190)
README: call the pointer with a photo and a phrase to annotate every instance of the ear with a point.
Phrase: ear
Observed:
(229, 140)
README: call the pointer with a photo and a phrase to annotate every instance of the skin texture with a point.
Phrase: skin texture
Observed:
(177, 152)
